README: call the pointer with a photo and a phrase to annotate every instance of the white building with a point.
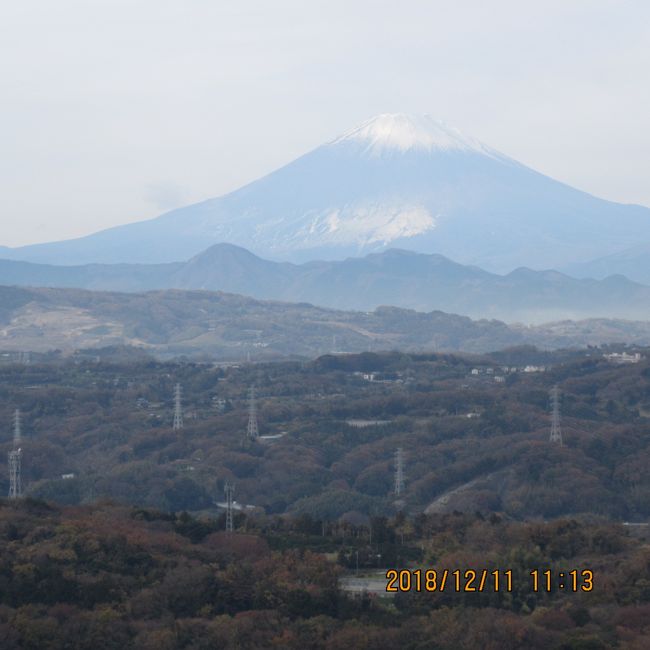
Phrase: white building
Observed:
(623, 357)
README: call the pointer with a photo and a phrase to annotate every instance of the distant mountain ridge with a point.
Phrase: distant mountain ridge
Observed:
(396, 181)
(633, 262)
(204, 324)
(395, 277)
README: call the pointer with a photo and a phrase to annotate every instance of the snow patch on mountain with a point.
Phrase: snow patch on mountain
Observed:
(367, 224)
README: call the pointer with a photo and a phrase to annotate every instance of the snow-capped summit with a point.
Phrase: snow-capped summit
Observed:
(403, 132)
(395, 181)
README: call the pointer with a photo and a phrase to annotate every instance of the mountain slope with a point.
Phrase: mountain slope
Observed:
(395, 277)
(395, 181)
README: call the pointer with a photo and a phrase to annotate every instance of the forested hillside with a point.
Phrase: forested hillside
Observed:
(474, 431)
(107, 577)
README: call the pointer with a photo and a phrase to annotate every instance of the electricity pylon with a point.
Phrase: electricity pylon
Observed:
(556, 430)
(252, 430)
(399, 472)
(15, 461)
(229, 491)
(178, 408)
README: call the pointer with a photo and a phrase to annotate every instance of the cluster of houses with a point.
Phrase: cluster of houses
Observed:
(623, 357)
(379, 377)
(498, 374)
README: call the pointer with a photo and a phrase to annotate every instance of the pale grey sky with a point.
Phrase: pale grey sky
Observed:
(113, 111)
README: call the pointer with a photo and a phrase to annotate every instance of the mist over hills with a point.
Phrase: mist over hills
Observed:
(396, 181)
(395, 277)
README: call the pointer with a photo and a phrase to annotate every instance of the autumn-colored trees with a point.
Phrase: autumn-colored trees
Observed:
(470, 443)
(108, 576)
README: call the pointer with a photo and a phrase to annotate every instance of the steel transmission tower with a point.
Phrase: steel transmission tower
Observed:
(17, 428)
(178, 408)
(252, 431)
(399, 472)
(229, 491)
(556, 431)
(15, 461)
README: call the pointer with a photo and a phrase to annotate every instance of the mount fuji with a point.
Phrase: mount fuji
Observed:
(395, 181)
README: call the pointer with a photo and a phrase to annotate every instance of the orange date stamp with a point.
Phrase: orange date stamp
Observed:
(485, 580)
